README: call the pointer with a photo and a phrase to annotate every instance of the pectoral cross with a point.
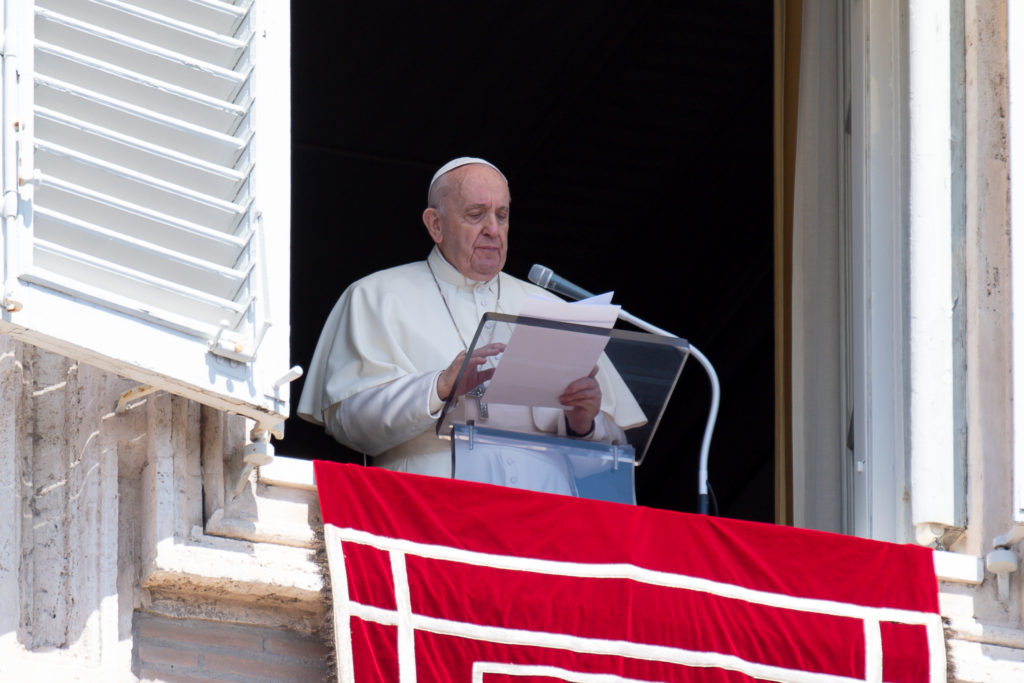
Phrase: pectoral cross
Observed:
(478, 394)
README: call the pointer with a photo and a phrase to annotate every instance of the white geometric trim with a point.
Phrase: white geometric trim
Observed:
(870, 616)
(872, 651)
(937, 648)
(480, 669)
(406, 630)
(594, 646)
(635, 573)
(339, 597)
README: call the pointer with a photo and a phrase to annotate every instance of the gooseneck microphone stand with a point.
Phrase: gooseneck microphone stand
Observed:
(709, 428)
(545, 277)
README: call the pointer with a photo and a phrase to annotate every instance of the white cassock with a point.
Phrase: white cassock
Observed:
(372, 380)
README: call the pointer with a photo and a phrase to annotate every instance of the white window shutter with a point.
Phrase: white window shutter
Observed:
(151, 144)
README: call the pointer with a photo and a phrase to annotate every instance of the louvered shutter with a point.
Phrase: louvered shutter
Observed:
(152, 160)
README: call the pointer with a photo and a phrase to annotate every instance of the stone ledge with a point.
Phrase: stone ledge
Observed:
(223, 525)
(958, 568)
(280, 507)
(286, 471)
(977, 662)
(236, 571)
(973, 631)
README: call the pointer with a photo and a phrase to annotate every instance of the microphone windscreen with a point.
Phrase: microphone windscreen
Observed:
(540, 275)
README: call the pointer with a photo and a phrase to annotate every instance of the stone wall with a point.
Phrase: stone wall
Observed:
(193, 650)
(128, 528)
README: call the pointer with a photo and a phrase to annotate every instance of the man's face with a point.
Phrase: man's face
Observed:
(472, 228)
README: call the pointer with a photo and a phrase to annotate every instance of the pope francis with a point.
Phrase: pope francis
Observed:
(391, 349)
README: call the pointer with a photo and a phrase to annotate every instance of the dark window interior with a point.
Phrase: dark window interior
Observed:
(636, 137)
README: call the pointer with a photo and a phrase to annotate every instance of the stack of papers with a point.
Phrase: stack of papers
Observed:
(539, 363)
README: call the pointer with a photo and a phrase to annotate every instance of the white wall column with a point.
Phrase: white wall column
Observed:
(1015, 47)
(936, 505)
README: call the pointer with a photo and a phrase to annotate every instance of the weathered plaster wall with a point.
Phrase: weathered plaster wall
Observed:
(102, 527)
(988, 642)
(988, 278)
(59, 460)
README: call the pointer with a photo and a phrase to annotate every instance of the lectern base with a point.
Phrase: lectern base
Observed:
(548, 464)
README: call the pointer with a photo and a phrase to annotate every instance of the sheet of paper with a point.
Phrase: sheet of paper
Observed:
(605, 298)
(597, 310)
(539, 363)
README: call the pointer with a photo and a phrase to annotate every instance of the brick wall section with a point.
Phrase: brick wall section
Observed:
(195, 650)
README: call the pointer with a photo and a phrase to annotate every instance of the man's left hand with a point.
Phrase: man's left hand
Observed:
(582, 401)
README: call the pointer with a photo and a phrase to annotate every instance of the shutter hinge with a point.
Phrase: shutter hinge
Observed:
(236, 350)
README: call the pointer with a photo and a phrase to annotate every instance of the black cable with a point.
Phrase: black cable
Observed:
(714, 501)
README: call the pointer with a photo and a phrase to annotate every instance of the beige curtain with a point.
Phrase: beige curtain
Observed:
(788, 15)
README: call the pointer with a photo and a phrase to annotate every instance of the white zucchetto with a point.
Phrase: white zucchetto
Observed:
(458, 163)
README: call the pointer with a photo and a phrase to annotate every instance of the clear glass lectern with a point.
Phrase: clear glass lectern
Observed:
(507, 427)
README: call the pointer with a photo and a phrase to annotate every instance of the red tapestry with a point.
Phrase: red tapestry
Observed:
(436, 580)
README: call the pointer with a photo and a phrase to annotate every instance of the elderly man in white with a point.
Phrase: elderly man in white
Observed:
(391, 349)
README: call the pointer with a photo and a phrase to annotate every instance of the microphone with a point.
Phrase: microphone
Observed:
(546, 278)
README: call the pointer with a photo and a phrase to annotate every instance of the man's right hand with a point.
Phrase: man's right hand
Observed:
(473, 377)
